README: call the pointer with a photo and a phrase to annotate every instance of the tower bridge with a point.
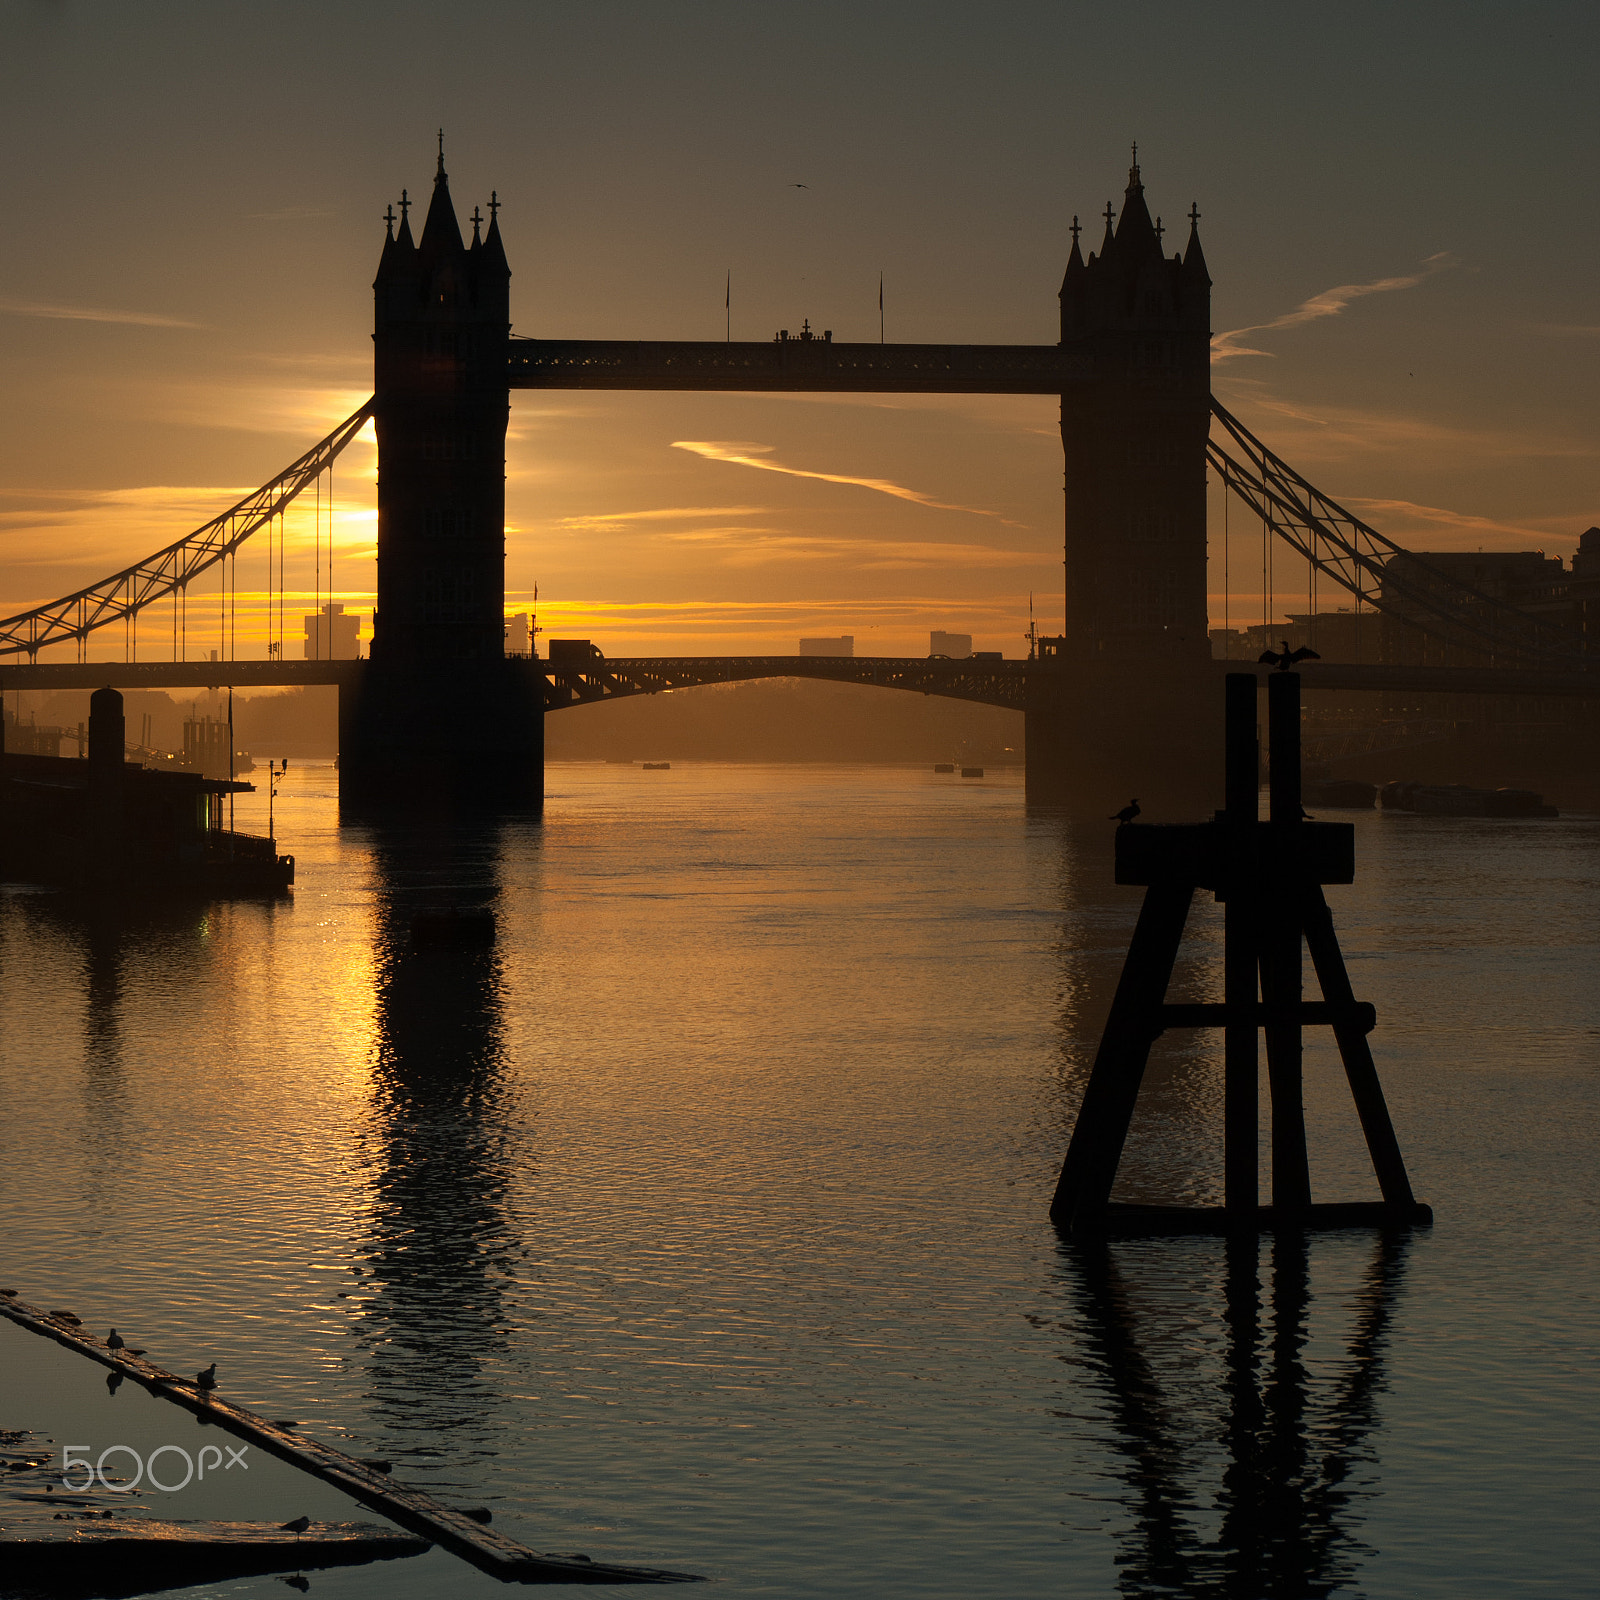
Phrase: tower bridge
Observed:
(1122, 702)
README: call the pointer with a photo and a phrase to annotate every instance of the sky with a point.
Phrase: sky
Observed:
(1397, 207)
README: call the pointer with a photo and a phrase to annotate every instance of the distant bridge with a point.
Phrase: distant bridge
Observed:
(992, 683)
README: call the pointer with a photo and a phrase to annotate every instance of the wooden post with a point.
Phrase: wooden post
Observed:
(1355, 1052)
(1113, 1088)
(1281, 984)
(1240, 1116)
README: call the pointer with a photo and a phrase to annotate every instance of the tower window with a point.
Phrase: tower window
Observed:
(449, 595)
(1149, 526)
(448, 447)
(449, 522)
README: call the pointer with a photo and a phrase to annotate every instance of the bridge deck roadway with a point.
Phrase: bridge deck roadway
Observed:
(794, 366)
(997, 683)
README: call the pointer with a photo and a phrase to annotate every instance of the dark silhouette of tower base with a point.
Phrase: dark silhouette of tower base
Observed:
(457, 736)
(1270, 876)
(1100, 732)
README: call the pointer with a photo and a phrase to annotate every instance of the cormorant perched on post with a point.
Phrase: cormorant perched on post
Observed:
(1285, 658)
(1127, 813)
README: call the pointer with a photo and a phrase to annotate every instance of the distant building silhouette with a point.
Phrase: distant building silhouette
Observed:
(1528, 579)
(29, 738)
(519, 636)
(958, 646)
(1343, 635)
(332, 634)
(844, 645)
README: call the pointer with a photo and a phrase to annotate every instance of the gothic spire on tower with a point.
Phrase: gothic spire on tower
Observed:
(494, 251)
(441, 231)
(1136, 227)
(1075, 259)
(1194, 260)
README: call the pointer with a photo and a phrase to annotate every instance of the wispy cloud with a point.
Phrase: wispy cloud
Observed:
(613, 521)
(303, 412)
(751, 455)
(58, 541)
(1338, 433)
(138, 319)
(750, 547)
(1330, 303)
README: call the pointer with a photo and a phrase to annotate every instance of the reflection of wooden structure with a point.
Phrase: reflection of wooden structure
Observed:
(1292, 1437)
(1270, 876)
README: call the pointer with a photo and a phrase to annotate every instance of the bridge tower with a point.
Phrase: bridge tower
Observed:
(441, 712)
(1125, 712)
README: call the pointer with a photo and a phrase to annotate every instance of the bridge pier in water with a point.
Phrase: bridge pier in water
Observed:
(1099, 733)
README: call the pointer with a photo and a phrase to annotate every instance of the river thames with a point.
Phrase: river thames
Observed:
(702, 1222)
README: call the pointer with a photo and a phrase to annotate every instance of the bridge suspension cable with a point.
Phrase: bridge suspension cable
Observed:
(1376, 570)
(124, 594)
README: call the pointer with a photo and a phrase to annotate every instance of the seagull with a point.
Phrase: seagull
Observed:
(1127, 813)
(208, 1378)
(114, 1340)
(799, 185)
(1285, 658)
(299, 1525)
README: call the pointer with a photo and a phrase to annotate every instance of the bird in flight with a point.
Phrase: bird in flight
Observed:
(1285, 658)
(799, 185)
(1127, 813)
